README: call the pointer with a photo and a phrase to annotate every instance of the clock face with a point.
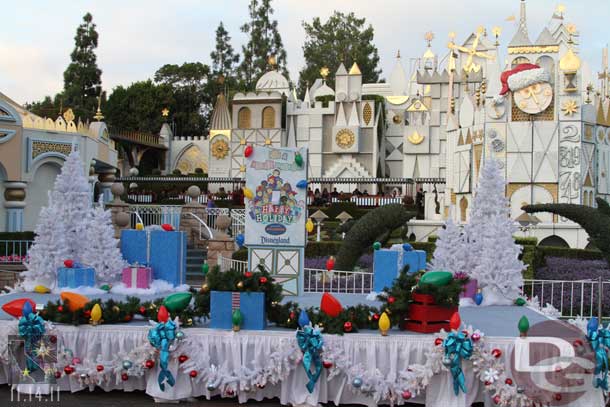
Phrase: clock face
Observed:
(220, 149)
(345, 138)
(535, 98)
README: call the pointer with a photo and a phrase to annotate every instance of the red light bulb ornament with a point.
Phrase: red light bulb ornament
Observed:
(455, 322)
(330, 263)
(248, 150)
(162, 314)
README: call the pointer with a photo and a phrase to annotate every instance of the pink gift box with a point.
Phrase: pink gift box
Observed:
(137, 276)
(470, 289)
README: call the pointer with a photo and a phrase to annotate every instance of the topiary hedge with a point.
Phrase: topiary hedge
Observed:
(367, 230)
(322, 249)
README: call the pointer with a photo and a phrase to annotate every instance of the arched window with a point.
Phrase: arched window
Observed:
(463, 208)
(548, 65)
(268, 118)
(520, 60)
(553, 241)
(244, 118)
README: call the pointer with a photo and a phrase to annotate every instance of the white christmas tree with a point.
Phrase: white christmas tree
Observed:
(494, 255)
(64, 231)
(102, 251)
(450, 253)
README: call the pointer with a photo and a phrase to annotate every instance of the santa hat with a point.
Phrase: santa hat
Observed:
(522, 76)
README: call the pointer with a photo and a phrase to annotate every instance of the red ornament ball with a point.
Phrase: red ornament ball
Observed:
(87, 313)
(347, 326)
(487, 383)
(193, 373)
(327, 364)
(262, 280)
(182, 358)
(476, 336)
(99, 368)
(558, 396)
(509, 381)
(496, 399)
(438, 341)
(407, 394)
(391, 300)
(149, 364)
(68, 370)
(53, 338)
(142, 310)
(57, 374)
(127, 318)
(124, 377)
(69, 263)
(60, 308)
(496, 353)
(292, 315)
(230, 392)
(376, 317)
(248, 274)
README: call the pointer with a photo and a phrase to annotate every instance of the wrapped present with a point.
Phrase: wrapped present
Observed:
(470, 289)
(387, 263)
(164, 252)
(77, 276)
(251, 305)
(137, 276)
(427, 317)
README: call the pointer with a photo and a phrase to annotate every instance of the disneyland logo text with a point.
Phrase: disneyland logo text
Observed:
(275, 240)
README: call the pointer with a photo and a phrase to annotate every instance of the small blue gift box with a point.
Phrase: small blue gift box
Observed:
(164, 252)
(251, 305)
(77, 276)
(388, 263)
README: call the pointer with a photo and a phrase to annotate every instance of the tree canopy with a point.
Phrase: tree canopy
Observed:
(343, 38)
(264, 41)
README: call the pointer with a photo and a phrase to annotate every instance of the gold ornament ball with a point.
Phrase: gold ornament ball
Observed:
(189, 322)
(205, 288)
(240, 285)
(116, 308)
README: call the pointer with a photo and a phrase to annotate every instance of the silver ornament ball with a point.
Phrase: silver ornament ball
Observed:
(520, 390)
(179, 335)
(357, 382)
(211, 387)
(446, 361)
(83, 376)
(127, 364)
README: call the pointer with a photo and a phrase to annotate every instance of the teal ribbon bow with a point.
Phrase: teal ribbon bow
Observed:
(31, 328)
(310, 342)
(457, 347)
(161, 337)
(599, 341)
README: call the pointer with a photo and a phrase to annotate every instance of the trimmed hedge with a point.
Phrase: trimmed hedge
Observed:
(16, 235)
(533, 241)
(322, 249)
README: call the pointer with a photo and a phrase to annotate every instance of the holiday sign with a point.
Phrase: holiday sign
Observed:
(276, 208)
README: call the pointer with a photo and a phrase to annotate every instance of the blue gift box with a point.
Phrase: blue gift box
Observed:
(251, 305)
(77, 276)
(386, 265)
(164, 252)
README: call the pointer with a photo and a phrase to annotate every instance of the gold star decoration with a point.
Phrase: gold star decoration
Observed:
(324, 71)
(165, 112)
(569, 107)
(267, 141)
(43, 351)
(25, 372)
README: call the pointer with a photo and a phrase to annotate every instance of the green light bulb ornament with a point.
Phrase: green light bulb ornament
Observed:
(523, 325)
(205, 267)
(237, 319)
(298, 159)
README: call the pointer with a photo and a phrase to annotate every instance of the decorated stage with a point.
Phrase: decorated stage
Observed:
(360, 368)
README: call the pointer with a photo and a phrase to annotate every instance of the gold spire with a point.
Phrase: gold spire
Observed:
(98, 115)
(324, 71)
(272, 61)
(355, 70)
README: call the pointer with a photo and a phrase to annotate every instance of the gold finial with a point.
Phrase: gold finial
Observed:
(165, 112)
(98, 115)
(480, 30)
(496, 32)
(429, 36)
(69, 115)
(559, 10)
(571, 30)
(272, 61)
(452, 36)
(398, 54)
(324, 71)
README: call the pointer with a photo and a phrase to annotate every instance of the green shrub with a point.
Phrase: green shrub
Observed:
(241, 254)
(427, 246)
(336, 208)
(523, 241)
(367, 230)
(432, 238)
(177, 172)
(528, 256)
(322, 249)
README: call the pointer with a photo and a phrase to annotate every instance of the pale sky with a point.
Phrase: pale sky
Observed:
(137, 37)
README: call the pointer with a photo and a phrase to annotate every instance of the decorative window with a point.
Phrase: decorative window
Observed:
(268, 118)
(520, 60)
(244, 118)
(548, 64)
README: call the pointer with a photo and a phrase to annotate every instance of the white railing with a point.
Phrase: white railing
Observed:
(156, 214)
(14, 251)
(571, 298)
(238, 221)
(213, 214)
(350, 282)
(202, 227)
(226, 264)
(372, 201)
(140, 198)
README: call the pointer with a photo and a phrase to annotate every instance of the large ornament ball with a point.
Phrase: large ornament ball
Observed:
(182, 358)
(57, 374)
(496, 353)
(407, 394)
(248, 274)
(60, 308)
(211, 387)
(347, 326)
(127, 364)
(205, 288)
(558, 397)
(193, 373)
(357, 382)
(149, 364)
(68, 370)
(240, 285)
(391, 299)
(446, 361)
(327, 364)
(116, 308)
(179, 335)
(124, 377)
(262, 280)
(476, 336)
(438, 341)
(376, 246)
(509, 381)
(99, 368)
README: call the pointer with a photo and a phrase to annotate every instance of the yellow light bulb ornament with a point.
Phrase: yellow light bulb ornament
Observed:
(248, 193)
(139, 226)
(384, 324)
(309, 225)
(96, 314)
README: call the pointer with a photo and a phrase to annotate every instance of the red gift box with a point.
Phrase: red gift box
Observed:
(427, 317)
